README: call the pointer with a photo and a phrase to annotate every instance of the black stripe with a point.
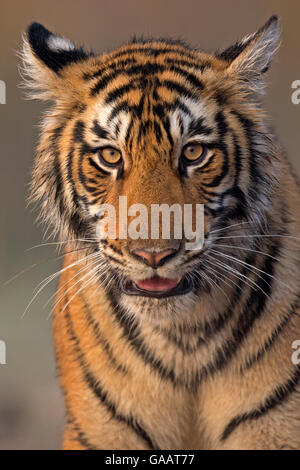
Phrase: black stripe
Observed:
(78, 131)
(235, 212)
(112, 247)
(197, 126)
(120, 65)
(103, 173)
(150, 51)
(214, 325)
(130, 126)
(115, 260)
(148, 68)
(278, 397)
(180, 122)
(122, 106)
(139, 108)
(166, 126)
(190, 77)
(237, 159)
(80, 435)
(252, 311)
(104, 81)
(176, 105)
(219, 178)
(173, 85)
(78, 226)
(222, 130)
(201, 168)
(59, 187)
(195, 65)
(98, 390)
(99, 130)
(120, 91)
(85, 150)
(143, 128)
(248, 127)
(94, 324)
(132, 333)
(158, 133)
(271, 341)
(143, 69)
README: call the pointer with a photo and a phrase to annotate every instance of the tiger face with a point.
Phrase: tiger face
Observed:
(159, 123)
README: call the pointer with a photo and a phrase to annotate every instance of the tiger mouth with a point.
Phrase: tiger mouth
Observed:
(181, 287)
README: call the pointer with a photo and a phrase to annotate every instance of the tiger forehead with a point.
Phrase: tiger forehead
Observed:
(148, 56)
(154, 112)
(145, 89)
(148, 92)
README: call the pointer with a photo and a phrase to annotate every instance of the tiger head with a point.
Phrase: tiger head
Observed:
(160, 123)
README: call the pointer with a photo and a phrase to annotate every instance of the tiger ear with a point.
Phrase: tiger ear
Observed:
(44, 56)
(252, 56)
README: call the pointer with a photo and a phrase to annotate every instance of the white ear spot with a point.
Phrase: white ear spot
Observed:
(57, 44)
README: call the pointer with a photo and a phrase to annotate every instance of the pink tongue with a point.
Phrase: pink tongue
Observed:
(157, 283)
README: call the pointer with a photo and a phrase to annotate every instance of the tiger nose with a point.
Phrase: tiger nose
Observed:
(153, 258)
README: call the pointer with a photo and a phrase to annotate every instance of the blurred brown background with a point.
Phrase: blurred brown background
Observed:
(31, 412)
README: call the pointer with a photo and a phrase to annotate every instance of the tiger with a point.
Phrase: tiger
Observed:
(159, 346)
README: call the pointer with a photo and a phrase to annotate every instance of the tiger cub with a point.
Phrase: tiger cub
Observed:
(159, 346)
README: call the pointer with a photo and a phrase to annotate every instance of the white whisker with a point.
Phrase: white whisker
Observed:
(88, 240)
(237, 274)
(229, 226)
(251, 267)
(225, 279)
(209, 280)
(87, 266)
(247, 249)
(81, 288)
(257, 236)
(46, 281)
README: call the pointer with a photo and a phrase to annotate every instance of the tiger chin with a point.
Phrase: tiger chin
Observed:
(160, 347)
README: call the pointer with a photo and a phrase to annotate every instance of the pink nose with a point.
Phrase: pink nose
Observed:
(153, 258)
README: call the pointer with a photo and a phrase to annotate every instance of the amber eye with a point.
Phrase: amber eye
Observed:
(110, 155)
(193, 152)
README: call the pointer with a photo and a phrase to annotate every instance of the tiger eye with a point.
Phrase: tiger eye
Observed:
(193, 151)
(111, 155)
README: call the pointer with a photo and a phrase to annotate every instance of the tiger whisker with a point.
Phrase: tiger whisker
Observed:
(247, 249)
(46, 281)
(69, 280)
(64, 269)
(208, 278)
(257, 236)
(38, 263)
(251, 268)
(93, 265)
(81, 288)
(239, 275)
(222, 276)
(88, 240)
(236, 260)
(229, 226)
